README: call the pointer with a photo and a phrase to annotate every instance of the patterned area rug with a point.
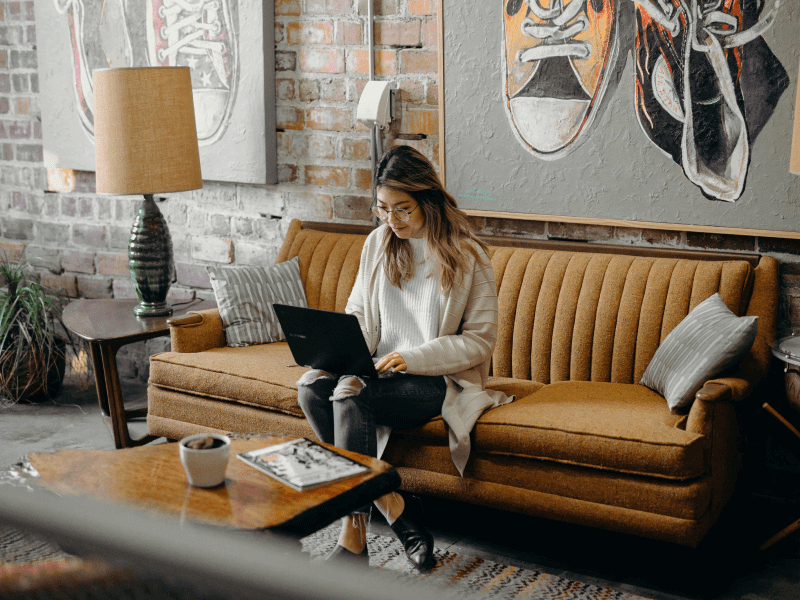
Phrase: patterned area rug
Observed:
(31, 566)
(467, 576)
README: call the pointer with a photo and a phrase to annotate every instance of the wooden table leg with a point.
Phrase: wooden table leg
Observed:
(796, 525)
(780, 535)
(99, 377)
(780, 418)
(118, 418)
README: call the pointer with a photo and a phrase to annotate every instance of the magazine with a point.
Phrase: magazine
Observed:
(302, 463)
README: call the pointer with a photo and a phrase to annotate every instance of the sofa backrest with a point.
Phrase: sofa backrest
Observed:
(572, 314)
(598, 317)
(328, 263)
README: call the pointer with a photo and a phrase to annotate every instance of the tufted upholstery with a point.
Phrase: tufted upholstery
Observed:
(564, 316)
(568, 316)
(328, 264)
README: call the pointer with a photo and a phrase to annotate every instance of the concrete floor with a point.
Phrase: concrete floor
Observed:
(727, 565)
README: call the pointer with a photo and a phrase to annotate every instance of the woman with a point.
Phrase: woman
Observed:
(426, 300)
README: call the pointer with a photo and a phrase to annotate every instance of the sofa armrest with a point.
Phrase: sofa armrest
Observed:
(197, 331)
(714, 392)
(717, 389)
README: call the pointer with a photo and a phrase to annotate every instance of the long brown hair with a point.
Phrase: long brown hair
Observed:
(450, 239)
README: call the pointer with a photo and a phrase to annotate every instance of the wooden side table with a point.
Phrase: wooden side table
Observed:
(108, 325)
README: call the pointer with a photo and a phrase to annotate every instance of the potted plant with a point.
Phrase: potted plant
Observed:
(33, 346)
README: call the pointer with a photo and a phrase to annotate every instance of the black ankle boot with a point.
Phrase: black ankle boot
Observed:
(416, 540)
(341, 555)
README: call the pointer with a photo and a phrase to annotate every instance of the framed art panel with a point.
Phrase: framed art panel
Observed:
(227, 44)
(672, 114)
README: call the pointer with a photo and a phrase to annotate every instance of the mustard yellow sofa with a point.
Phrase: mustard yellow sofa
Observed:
(583, 442)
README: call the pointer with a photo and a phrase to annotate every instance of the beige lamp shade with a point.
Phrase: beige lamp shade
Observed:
(145, 133)
(794, 164)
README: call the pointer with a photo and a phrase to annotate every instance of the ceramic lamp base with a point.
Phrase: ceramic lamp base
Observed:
(152, 309)
(150, 260)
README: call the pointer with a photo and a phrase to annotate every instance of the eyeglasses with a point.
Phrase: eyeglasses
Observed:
(401, 214)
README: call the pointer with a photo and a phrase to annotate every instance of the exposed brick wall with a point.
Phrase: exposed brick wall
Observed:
(77, 241)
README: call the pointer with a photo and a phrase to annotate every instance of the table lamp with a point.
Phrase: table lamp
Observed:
(146, 143)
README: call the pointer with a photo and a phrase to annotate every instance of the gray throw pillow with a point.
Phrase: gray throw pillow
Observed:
(245, 296)
(708, 341)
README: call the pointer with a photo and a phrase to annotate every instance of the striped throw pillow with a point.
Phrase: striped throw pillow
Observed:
(708, 341)
(245, 296)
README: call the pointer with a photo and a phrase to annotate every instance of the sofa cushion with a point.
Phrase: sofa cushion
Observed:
(436, 429)
(687, 499)
(708, 341)
(245, 296)
(615, 426)
(256, 375)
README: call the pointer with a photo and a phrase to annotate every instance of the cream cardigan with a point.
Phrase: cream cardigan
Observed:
(463, 350)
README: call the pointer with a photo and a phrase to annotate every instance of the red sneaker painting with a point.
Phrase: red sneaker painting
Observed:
(557, 58)
(706, 84)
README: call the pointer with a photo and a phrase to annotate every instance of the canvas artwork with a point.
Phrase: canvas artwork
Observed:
(706, 81)
(557, 61)
(669, 113)
(235, 124)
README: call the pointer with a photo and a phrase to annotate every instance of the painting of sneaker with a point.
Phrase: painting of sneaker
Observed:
(234, 101)
(99, 39)
(198, 34)
(557, 58)
(706, 84)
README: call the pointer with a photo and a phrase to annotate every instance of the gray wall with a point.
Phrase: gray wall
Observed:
(617, 173)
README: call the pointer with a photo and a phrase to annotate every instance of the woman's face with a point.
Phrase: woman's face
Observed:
(390, 199)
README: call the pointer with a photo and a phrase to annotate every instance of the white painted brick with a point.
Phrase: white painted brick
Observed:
(262, 200)
(123, 288)
(216, 195)
(196, 219)
(212, 249)
(175, 212)
(181, 245)
(180, 295)
(308, 206)
(46, 258)
(126, 208)
(249, 253)
(270, 231)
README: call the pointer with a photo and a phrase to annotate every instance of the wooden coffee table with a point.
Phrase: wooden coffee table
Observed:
(152, 477)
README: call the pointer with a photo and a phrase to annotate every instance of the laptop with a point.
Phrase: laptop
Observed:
(327, 340)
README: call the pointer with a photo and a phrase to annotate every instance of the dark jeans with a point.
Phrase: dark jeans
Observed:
(344, 411)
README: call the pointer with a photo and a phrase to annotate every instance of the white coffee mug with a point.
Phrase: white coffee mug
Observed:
(205, 468)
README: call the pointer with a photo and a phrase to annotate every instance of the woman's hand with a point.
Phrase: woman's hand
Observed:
(391, 362)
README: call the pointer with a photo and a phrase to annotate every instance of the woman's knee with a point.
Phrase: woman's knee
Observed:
(310, 377)
(349, 386)
(308, 394)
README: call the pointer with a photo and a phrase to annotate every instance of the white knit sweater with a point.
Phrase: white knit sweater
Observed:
(463, 349)
(409, 315)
